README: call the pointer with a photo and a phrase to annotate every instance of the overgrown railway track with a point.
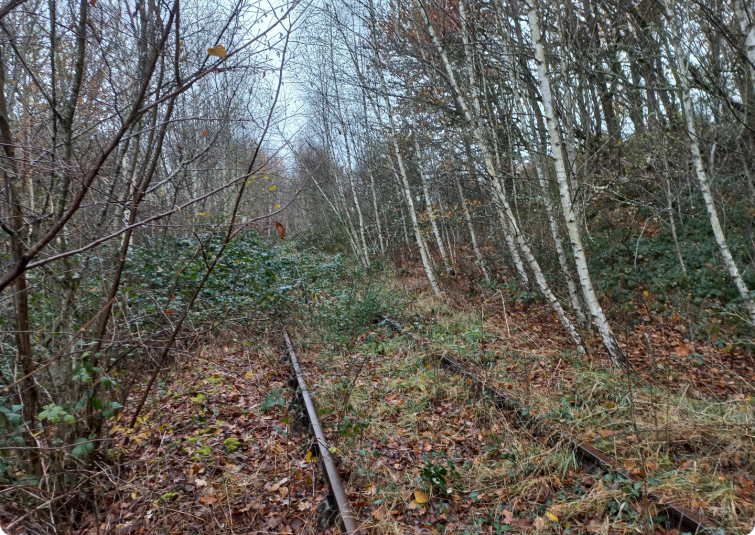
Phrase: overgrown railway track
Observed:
(684, 519)
(589, 457)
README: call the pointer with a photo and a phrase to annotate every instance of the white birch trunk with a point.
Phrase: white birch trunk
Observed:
(430, 211)
(550, 212)
(365, 250)
(532, 145)
(377, 214)
(400, 160)
(407, 241)
(349, 172)
(697, 161)
(747, 26)
(609, 340)
(504, 207)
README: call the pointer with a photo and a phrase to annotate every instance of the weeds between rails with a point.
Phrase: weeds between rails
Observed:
(589, 457)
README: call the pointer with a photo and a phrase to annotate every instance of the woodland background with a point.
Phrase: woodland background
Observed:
(593, 157)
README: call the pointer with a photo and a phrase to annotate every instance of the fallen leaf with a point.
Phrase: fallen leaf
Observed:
(420, 497)
(551, 516)
(128, 530)
(200, 483)
(379, 514)
(279, 484)
(540, 523)
(272, 523)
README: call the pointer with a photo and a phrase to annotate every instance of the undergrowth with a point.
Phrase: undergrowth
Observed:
(428, 452)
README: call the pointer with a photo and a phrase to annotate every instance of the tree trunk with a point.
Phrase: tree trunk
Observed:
(503, 207)
(697, 161)
(609, 340)
(28, 393)
(428, 202)
(400, 159)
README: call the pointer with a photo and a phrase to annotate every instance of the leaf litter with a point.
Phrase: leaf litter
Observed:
(419, 451)
(212, 460)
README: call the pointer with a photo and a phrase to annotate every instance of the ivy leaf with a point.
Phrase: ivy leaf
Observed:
(83, 447)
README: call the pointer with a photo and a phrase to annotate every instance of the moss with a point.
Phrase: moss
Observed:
(167, 496)
(204, 450)
(232, 444)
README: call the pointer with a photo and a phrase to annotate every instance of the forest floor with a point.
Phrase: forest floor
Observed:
(420, 451)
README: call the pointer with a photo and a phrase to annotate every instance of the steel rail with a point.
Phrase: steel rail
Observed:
(683, 517)
(329, 468)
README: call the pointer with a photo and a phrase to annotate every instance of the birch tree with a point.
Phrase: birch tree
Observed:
(591, 298)
(682, 67)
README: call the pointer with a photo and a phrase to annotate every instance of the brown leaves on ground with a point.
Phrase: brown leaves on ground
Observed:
(218, 461)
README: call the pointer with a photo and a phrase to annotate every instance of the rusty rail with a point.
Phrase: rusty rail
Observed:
(682, 517)
(338, 494)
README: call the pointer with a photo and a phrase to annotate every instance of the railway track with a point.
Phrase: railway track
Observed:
(339, 510)
(590, 457)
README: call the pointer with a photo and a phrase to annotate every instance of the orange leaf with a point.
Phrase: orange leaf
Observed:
(204, 132)
(281, 230)
(420, 497)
